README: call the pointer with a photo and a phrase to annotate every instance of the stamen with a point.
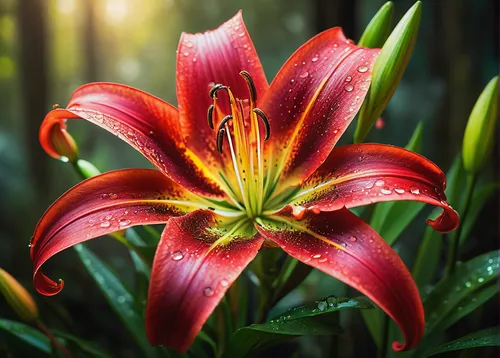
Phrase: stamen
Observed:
(224, 121)
(263, 116)
(220, 139)
(251, 86)
(213, 91)
(210, 115)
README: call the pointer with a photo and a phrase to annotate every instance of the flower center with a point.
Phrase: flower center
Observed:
(243, 129)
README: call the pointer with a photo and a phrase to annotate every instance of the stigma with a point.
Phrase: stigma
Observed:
(243, 129)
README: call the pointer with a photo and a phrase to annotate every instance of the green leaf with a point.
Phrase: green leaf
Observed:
(311, 319)
(118, 296)
(27, 334)
(89, 348)
(379, 27)
(390, 219)
(429, 250)
(489, 337)
(459, 293)
(480, 131)
(388, 70)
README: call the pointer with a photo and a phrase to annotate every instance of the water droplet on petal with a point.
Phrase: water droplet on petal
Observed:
(399, 190)
(123, 222)
(379, 182)
(386, 191)
(415, 191)
(317, 256)
(348, 79)
(304, 74)
(349, 88)
(362, 69)
(178, 255)
(208, 291)
(314, 59)
(105, 224)
(224, 282)
(353, 238)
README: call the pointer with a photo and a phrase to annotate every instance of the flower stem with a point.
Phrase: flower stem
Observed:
(455, 239)
(53, 340)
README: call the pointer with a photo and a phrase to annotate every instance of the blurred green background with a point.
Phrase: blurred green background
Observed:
(50, 47)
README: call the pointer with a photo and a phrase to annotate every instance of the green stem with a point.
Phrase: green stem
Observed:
(382, 351)
(53, 340)
(455, 239)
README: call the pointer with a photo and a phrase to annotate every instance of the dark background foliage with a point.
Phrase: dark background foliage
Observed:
(50, 47)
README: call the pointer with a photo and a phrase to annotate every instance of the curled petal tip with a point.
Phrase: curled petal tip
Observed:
(47, 286)
(398, 346)
(446, 222)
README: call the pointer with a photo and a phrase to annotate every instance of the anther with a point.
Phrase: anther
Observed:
(224, 121)
(210, 115)
(55, 106)
(220, 138)
(263, 116)
(251, 86)
(213, 91)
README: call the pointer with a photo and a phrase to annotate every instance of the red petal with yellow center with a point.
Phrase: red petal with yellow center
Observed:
(210, 58)
(101, 205)
(343, 246)
(313, 99)
(147, 123)
(362, 174)
(191, 273)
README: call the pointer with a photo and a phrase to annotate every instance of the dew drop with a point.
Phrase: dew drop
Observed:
(322, 305)
(317, 256)
(468, 284)
(314, 59)
(178, 255)
(348, 79)
(386, 191)
(208, 291)
(353, 238)
(349, 88)
(224, 282)
(121, 299)
(189, 44)
(399, 190)
(415, 191)
(124, 222)
(113, 196)
(362, 69)
(304, 74)
(105, 224)
(379, 182)
(91, 222)
(480, 279)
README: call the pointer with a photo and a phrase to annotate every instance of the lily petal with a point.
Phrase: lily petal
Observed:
(191, 273)
(204, 60)
(361, 174)
(101, 205)
(343, 246)
(313, 99)
(144, 121)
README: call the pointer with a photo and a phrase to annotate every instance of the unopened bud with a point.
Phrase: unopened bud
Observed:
(480, 130)
(18, 298)
(379, 27)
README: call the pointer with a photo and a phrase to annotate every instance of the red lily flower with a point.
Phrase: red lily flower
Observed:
(263, 169)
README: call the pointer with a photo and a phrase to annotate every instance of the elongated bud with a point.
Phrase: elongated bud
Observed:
(379, 27)
(388, 70)
(18, 298)
(63, 143)
(86, 169)
(480, 131)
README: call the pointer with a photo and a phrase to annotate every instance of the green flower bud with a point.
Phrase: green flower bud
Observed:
(379, 27)
(86, 169)
(388, 70)
(18, 298)
(480, 130)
